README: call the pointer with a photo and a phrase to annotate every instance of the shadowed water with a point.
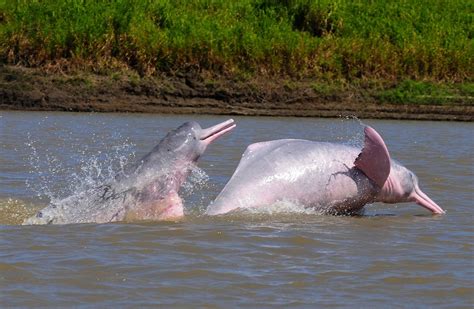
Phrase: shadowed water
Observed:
(394, 256)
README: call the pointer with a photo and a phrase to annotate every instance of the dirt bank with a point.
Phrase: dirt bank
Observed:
(40, 90)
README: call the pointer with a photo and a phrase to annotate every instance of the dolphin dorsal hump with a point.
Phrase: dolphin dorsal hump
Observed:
(374, 159)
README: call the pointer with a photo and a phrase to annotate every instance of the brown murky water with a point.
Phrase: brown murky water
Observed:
(393, 256)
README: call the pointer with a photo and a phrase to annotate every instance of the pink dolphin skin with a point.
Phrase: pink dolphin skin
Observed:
(146, 190)
(332, 178)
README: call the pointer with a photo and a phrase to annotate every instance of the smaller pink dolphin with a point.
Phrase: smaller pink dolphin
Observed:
(146, 190)
(332, 178)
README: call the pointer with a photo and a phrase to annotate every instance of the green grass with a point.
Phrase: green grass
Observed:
(424, 40)
(419, 92)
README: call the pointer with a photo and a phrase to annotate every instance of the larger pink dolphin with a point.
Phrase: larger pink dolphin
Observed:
(146, 190)
(332, 178)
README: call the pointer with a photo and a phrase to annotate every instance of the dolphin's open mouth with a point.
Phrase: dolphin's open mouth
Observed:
(210, 134)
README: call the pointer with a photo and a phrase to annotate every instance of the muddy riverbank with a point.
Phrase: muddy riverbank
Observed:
(54, 90)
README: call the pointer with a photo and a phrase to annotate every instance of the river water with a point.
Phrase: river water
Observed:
(394, 256)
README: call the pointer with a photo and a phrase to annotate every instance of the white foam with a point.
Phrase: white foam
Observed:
(280, 207)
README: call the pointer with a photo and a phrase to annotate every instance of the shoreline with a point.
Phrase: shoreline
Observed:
(30, 89)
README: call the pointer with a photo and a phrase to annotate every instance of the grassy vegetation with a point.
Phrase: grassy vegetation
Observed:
(415, 40)
(422, 92)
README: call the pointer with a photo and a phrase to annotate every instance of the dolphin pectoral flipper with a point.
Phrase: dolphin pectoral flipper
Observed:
(374, 159)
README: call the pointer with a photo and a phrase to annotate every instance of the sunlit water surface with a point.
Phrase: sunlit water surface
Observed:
(394, 256)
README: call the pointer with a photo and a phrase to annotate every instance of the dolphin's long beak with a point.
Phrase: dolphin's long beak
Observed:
(210, 134)
(423, 200)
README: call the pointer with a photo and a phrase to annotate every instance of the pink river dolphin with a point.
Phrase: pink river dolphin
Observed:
(331, 178)
(146, 190)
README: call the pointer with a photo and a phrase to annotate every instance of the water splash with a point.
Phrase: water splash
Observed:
(280, 207)
(77, 167)
(349, 130)
(194, 189)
